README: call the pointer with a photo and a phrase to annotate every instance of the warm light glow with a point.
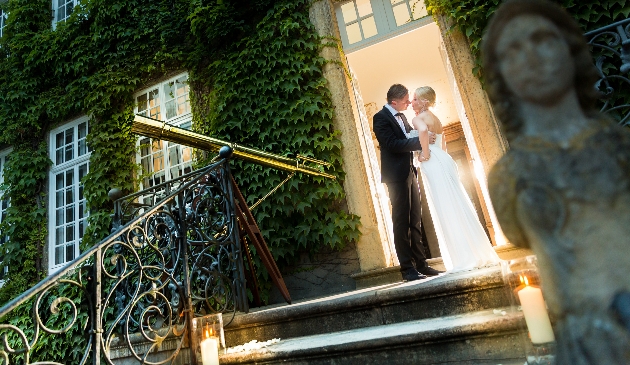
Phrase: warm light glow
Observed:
(525, 279)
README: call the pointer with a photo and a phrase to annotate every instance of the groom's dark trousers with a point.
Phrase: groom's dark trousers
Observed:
(398, 172)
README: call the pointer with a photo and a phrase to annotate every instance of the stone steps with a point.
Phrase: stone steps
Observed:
(445, 319)
(483, 337)
(392, 275)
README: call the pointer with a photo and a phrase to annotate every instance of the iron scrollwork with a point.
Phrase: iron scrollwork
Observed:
(174, 254)
(611, 47)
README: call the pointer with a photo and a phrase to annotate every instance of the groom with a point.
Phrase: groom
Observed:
(398, 172)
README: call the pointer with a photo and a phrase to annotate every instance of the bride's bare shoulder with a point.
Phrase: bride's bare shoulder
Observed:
(420, 121)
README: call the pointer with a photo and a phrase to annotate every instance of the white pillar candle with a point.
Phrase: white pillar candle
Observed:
(210, 351)
(536, 315)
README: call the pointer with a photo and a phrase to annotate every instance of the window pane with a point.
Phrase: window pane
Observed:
(59, 259)
(59, 199)
(349, 14)
(61, 13)
(171, 111)
(354, 34)
(69, 177)
(82, 130)
(59, 140)
(69, 153)
(69, 252)
(169, 90)
(69, 196)
(82, 171)
(369, 27)
(70, 233)
(60, 184)
(142, 104)
(401, 14)
(70, 213)
(60, 237)
(418, 8)
(364, 7)
(69, 135)
(59, 220)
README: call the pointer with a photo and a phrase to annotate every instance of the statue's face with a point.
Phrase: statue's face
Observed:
(535, 60)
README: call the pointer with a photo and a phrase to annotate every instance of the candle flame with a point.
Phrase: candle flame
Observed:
(525, 280)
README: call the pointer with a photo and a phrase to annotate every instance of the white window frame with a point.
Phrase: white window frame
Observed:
(385, 19)
(3, 206)
(73, 160)
(3, 21)
(65, 5)
(174, 159)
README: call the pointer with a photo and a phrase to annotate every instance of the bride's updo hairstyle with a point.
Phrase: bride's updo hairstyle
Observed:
(427, 93)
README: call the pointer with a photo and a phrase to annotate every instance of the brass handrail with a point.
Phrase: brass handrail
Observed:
(157, 129)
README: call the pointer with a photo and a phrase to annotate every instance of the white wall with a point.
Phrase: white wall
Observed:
(412, 59)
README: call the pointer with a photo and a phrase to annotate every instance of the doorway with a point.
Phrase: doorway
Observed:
(413, 57)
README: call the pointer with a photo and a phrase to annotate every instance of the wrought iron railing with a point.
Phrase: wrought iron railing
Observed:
(611, 49)
(174, 254)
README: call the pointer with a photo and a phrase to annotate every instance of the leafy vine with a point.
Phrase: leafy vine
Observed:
(256, 79)
(471, 17)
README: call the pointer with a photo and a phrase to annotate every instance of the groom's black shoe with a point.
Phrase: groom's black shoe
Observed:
(429, 271)
(411, 275)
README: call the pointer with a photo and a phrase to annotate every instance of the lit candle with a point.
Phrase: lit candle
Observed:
(210, 350)
(536, 315)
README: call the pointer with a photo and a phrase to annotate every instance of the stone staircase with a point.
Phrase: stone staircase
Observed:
(455, 318)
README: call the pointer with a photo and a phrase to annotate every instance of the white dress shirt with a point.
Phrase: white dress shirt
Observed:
(398, 118)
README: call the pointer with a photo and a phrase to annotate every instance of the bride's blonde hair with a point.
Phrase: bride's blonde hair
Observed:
(427, 93)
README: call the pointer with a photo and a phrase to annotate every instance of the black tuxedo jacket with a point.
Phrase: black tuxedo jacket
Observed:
(396, 156)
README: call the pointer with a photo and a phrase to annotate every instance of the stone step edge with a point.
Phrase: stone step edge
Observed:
(424, 331)
(443, 285)
(505, 252)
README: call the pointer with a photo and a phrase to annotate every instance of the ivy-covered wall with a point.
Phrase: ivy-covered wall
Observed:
(472, 16)
(256, 79)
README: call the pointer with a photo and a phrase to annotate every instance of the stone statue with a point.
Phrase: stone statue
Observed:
(563, 189)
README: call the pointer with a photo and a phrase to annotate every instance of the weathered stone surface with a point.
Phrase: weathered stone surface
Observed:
(478, 338)
(392, 275)
(449, 294)
(327, 273)
(564, 188)
(372, 247)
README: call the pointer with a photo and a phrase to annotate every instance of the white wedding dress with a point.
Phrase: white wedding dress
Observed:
(463, 242)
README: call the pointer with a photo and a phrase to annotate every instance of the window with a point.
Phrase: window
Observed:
(358, 19)
(365, 22)
(169, 102)
(405, 11)
(4, 204)
(68, 210)
(3, 21)
(62, 9)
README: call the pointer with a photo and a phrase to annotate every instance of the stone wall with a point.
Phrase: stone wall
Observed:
(326, 273)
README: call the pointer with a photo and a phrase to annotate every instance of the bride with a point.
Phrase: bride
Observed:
(461, 238)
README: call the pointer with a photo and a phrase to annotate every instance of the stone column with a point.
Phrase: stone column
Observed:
(372, 248)
(486, 134)
(484, 138)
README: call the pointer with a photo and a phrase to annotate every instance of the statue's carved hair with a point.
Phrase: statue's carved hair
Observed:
(426, 92)
(396, 92)
(503, 100)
